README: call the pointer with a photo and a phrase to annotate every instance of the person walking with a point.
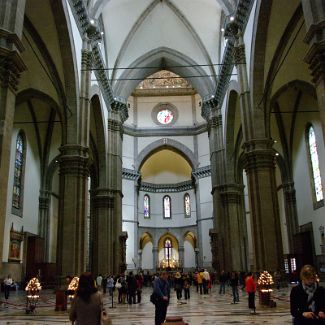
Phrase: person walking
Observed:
(87, 306)
(99, 281)
(132, 288)
(251, 289)
(223, 279)
(186, 286)
(110, 285)
(200, 281)
(206, 281)
(162, 292)
(234, 283)
(178, 285)
(7, 283)
(104, 283)
(307, 299)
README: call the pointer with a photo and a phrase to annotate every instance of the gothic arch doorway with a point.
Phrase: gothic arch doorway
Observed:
(168, 252)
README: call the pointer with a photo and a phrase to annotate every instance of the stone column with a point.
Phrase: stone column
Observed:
(44, 225)
(291, 212)
(232, 195)
(216, 144)
(116, 118)
(314, 12)
(154, 257)
(74, 174)
(102, 257)
(259, 163)
(181, 256)
(11, 67)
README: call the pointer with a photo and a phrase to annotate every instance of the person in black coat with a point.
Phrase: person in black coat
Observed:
(132, 288)
(307, 300)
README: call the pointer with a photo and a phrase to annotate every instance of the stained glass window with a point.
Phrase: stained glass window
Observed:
(146, 206)
(166, 206)
(165, 116)
(18, 172)
(315, 164)
(187, 205)
(168, 250)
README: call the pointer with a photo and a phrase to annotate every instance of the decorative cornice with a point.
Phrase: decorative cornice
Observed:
(239, 54)
(241, 18)
(119, 106)
(164, 92)
(130, 174)
(166, 188)
(202, 172)
(316, 60)
(11, 67)
(102, 75)
(163, 132)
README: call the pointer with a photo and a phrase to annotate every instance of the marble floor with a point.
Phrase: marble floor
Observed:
(199, 310)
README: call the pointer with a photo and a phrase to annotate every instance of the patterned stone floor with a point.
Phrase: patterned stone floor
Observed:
(199, 310)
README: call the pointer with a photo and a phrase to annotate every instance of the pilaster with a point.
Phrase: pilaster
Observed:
(259, 163)
(217, 156)
(44, 204)
(102, 252)
(74, 172)
(290, 202)
(232, 198)
(117, 116)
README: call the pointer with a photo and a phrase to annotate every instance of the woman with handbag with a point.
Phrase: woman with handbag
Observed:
(87, 306)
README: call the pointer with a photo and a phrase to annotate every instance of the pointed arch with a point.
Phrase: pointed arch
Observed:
(170, 144)
(156, 60)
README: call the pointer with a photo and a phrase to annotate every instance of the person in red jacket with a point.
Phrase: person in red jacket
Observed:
(251, 289)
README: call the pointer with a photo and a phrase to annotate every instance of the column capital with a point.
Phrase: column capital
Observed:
(44, 202)
(74, 160)
(119, 107)
(259, 154)
(231, 193)
(103, 201)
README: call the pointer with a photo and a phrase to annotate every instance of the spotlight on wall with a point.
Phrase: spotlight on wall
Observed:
(102, 33)
(277, 154)
(92, 21)
(222, 29)
(232, 18)
(275, 141)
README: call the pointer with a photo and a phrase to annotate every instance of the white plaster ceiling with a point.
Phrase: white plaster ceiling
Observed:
(161, 34)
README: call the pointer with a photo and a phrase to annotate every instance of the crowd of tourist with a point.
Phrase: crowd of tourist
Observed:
(307, 299)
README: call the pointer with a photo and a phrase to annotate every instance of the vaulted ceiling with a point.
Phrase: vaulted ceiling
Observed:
(182, 36)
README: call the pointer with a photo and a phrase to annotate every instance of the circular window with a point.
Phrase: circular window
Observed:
(165, 116)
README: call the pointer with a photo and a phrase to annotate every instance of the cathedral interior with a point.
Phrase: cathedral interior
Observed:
(161, 134)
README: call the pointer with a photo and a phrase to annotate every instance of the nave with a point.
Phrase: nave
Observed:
(209, 309)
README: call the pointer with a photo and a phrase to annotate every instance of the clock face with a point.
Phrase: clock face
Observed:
(165, 116)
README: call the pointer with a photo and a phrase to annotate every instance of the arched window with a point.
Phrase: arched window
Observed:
(146, 206)
(314, 163)
(17, 193)
(168, 251)
(187, 205)
(167, 207)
